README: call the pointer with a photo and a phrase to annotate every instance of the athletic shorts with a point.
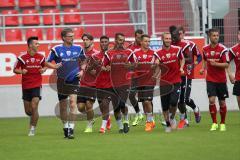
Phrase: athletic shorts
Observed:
(172, 98)
(120, 97)
(236, 88)
(217, 89)
(145, 93)
(104, 93)
(65, 88)
(29, 94)
(86, 94)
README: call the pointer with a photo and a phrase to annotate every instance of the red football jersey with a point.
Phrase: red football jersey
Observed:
(144, 71)
(134, 47)
(235, 54)
(186, 51)
(220, 55)
(89, 80)
(32, 64)
(170, 59)
(103, 79)
(189, 69)
(118, 60)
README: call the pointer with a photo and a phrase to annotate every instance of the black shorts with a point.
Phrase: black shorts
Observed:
(104, 93)
(65, 88)
(120, 97)
(236, 88)
(172, 98)
(217, 89)
(86, 94)
(29, 94)
(145, 93)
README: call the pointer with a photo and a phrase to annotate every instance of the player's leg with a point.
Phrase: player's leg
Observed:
(165, 99)
(90, 115)
(238, 100)
(222, 94)
(35, 115)
(190, 101)
(63, 104)
(181, 105)
(27, 107)
(72, 114)
(236, 92)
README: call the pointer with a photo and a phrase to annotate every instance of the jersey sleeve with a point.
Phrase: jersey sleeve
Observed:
(82, 55)
(52, 55)
(231, 54)
(42, 62)
(106, 59)
(225, 56)
(18, 64)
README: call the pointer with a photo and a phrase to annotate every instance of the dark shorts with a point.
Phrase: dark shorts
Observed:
(236, 88)
(65, 88)
(145, 93)
(171, 98)
(217, 89)
(86, 94)
(29, 94)
(120, 97)
(104, 93)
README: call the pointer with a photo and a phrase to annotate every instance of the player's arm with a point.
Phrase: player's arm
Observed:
(229, 70)
(52, 57)
(182, 62)
(187, 54)
(157, 69)
(106, 63)
(197, 54)
(201, 71)
(18, 67)
(223, 65)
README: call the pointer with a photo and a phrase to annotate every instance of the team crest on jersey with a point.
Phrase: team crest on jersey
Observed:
(174, 54)
(168, 55)
(163, 57)
(27, 61)
(68, 53)
(144, 56)
(212, 53)
(61, 54)
(139, 57)
(32, 60)
(237, 54)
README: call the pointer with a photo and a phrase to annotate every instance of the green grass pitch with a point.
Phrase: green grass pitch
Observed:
(193, 143)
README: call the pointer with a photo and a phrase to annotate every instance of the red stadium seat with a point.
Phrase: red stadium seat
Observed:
(34, 32)
(7, 3)
(78, 32)
(13, 35)
(48, 3)
(11, 20)
(72, 18)
(50, 32)
(68, 2)
(48, 19)
(26, 3)
(32, 19)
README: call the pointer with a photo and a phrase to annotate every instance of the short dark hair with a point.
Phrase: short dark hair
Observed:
(30, 40)
(104, 37)
(210, 31)
(172, 28)
(145, 35)
(119, 34)
(138, 31)
(65, 31)
(181, 28)
(88, 35)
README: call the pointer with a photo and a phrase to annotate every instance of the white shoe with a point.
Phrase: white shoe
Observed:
(31, 133)
(173, 123)
(168, 129)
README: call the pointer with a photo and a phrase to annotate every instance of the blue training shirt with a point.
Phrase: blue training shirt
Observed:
(70, 58)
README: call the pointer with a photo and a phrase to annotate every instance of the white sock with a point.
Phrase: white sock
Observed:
(125, 117)
(32, 128)
(90, 123)
(182, 116)
(120, 124)
(149, 117)
(65, 125)
(104, 124)
(71, 125)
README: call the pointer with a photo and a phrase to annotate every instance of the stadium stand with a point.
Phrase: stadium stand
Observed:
(7, 3)
(31, 19)
(13, 35)
(34, 32)
(71, 18)
(48, 3)
(26, 3)
(68, 2)
(50, 32)
(48, 19)
(11, 20)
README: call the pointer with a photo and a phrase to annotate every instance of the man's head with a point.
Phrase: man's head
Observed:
(166, 38)
(87, 40)
(67, 35)
(104, 43)
(213, 35)
(145, 41)
(33, 43)
(174, 33)
(138, 33)
(119, 40)
(181, 31)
